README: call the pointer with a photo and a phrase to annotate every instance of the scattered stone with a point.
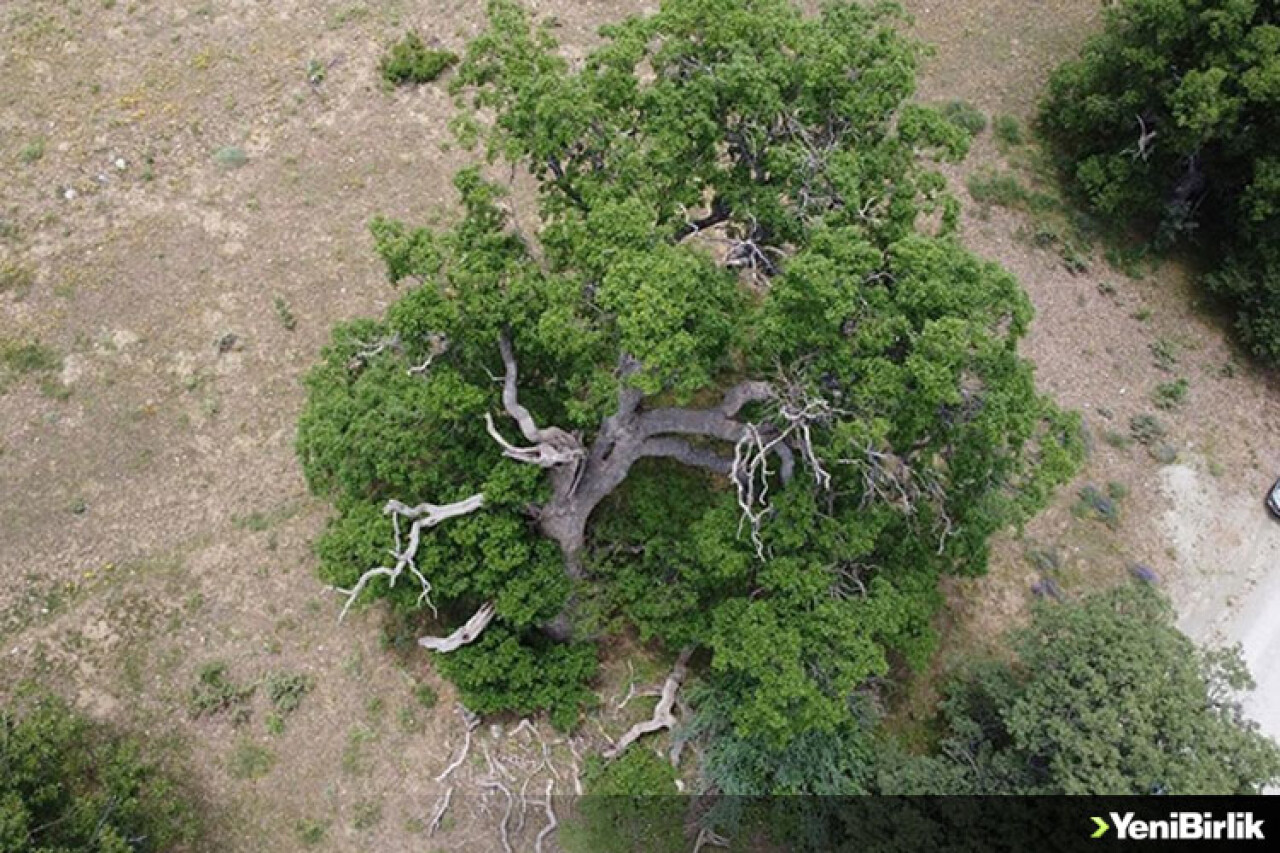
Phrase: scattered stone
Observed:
(1146, 574)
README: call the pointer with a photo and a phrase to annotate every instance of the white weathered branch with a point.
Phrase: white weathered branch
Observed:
(423, 515)
(463, 635)
(662, 718)
(437, 815)
(552, 823)
(471, 721)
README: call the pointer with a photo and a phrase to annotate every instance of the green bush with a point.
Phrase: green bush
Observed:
(1168, 121)
(411, 61)
(965, 115)
(68, 786)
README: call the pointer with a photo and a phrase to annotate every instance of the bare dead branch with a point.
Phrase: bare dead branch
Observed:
(662, 717)
(437, 814)
(471, 721)
(489, 784)
(463, 635)
(423, 515)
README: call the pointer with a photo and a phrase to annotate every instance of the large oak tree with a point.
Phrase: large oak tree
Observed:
(735, 385)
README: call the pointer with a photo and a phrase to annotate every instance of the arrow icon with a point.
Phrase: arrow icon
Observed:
(1103, 826)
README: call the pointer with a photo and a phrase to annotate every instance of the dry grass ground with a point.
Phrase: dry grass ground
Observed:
(171, 176)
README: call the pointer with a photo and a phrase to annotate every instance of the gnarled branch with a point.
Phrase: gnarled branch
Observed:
(422, 515)
(465, 634)
(662, 717)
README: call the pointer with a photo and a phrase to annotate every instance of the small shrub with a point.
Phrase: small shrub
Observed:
(1093, 503)
(1008, 131)
(214, 692)
(32, 152)
(966, 116)
(1170, 395)
(411, 61)
(286, 689)
(1165, 453)
(1165, 353)
(311, 832)
(1117, 491)
(1117, 439)
(426, 695)
(230, 157)
(31, 357)
(1146, 429)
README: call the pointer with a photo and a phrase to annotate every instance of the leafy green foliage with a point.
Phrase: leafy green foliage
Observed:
(505, 672)
(1168, 120)
(286, 690)
(1107, 697)
(67, 786)
(790, 141)
(631, 805)
(411, 61)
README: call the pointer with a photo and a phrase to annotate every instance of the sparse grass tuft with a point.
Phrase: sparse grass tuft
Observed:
(16, 279)
(426, 695)
(366, 814)
(1008, 131)
(284, 313)
(250, 761)
(411, 61)
(30, 357)
(311, 832)
(1170, 395)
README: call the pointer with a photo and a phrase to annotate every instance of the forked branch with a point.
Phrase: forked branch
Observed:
(662, 718)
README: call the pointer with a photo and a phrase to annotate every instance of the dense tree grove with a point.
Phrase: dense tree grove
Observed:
(738, 388)
(1170, 119)
(1106, 697)
(68, 787)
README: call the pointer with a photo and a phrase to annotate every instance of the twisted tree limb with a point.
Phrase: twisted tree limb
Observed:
(662, 717)
(463, 635)
(423, 515)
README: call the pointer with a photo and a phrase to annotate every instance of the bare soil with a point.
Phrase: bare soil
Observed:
(152, 516)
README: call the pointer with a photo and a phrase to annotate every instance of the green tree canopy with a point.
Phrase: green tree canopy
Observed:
(67, 786)
(1169, 118)
(1105, 697)
(737, 387)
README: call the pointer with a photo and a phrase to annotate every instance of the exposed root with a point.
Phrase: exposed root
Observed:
(662, 717)
(506, 815)
(707, 838)
(437, 815)
(472, 721)
(423, 515)
(552, 823)
(463, 635)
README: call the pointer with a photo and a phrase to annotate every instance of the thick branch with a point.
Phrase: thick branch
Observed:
(662, 717)
(681, 451)
(466, 634)
(551, 446)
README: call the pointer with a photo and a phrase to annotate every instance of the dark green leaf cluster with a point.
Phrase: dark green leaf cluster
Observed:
(67, 786)
(1169, 119)
(1106, 697)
